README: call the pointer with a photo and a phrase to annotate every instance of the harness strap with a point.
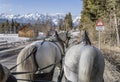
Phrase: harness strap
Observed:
(60, 49)
(35, 80)
(35, 58)
(15, 73)
(34, 50)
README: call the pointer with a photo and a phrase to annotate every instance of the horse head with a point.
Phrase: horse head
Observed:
(63, 36)
(78, 37)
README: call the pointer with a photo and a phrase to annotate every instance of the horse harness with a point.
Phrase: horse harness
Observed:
(34, 51)
(53, 41)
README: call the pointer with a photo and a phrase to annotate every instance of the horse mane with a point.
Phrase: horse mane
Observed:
(85, 38)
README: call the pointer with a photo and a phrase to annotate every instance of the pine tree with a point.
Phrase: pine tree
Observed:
(70, 21)
(12, 26)
(2, 25)
(68, 25)
(61, 24)
(7, 26)
(16, 26)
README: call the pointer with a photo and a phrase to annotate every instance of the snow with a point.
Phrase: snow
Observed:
(15, 38)
(41, 35)
(12, 38)
(75, 33)
(76, 20)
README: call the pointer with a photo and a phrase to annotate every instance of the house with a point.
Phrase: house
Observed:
(27, 31)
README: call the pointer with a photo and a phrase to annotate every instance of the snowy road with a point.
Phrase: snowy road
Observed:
(8, 57)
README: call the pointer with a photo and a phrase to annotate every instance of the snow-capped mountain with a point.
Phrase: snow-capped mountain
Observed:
(76, 20)
(37, 17)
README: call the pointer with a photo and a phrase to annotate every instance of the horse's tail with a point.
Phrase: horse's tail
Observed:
(26, 62)
(86, 65)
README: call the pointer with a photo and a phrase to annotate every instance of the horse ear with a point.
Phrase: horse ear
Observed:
(56, 34)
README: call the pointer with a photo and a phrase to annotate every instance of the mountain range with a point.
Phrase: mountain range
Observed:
(37, 17)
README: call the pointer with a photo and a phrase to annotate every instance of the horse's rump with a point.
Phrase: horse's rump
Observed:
(71, 62)
(47, 53)
(84, 63)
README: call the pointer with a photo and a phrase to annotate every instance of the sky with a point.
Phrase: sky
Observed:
(40, 6)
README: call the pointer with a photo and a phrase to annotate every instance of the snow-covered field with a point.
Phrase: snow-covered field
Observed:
(75, 34)
(12, 38)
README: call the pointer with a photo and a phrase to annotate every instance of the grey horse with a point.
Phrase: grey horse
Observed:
(45, 53)
(84, 62)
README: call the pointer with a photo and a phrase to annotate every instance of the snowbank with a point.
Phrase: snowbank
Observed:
(12, 38)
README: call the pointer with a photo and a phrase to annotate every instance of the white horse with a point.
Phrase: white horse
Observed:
(43, 54)
(5, 75)
(84, 63)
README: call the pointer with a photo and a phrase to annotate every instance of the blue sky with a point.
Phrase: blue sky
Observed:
(41, 6)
